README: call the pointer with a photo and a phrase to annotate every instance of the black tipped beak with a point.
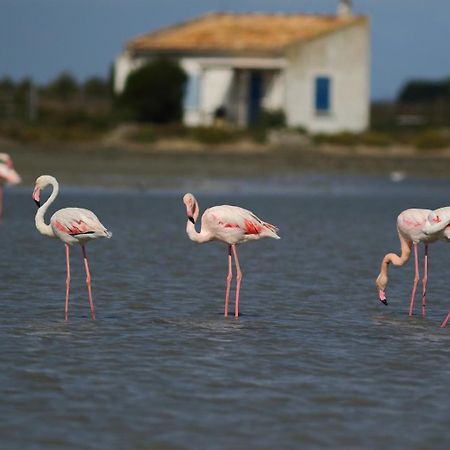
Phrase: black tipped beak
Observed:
(384, 302)
(191, 219)
(37, 203)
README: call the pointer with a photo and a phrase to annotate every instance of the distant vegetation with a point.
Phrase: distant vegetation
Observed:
(63, 109)
(425, 91)
(66, 109)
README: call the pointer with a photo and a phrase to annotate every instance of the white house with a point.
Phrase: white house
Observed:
(313, 67)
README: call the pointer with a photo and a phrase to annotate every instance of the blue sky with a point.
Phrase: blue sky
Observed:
(41, 38)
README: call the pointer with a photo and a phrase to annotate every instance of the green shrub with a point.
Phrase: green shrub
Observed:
(144, 135)
(344, 138)
(154, 93)
(212, 135)
(431, 139)
(376, 139)
(271, 119)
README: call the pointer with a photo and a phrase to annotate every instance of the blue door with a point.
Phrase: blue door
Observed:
(255, 96)
(323, 94)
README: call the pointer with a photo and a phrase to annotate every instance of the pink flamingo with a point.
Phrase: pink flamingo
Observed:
(7, 175)
(410, 225)
(229, 224)
(438, 222)
(72, 226)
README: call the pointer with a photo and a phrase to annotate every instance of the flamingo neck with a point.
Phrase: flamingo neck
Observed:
(42, 227)
(200, 237)
(195, 236)
(393, 258)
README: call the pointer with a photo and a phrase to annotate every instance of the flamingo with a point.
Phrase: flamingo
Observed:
(438, 221)
(229, 224)
(410, 225)
(7, 175)
(70, 225)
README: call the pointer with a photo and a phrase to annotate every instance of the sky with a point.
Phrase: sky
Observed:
(42, 38)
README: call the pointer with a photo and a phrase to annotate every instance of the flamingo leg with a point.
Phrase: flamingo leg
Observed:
(229, 278)
(238, 280)
(416, 279)
(88, 282)
(444, 323)
(66, 305)
(424, 280)
(1, 201)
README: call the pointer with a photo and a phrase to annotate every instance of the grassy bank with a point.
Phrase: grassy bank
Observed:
(100, 166)
(122, 134)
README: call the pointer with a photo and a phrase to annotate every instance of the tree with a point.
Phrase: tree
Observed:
(96, 87)
(63, 87)
(154, 92)
(425, 91)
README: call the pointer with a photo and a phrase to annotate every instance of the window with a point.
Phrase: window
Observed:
(323, 88)
(191, 96)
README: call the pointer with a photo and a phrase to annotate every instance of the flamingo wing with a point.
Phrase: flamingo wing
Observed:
(77, 221)
(236, 218)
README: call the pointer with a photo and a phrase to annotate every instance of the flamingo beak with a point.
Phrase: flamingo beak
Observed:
(382, 297)
(37, 196)
(191, 219)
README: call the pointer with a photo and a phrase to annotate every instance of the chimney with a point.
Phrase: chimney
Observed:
(345, 8)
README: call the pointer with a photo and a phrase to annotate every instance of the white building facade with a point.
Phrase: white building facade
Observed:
(319, 77)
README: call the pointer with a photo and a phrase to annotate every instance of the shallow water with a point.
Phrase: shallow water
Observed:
(315, 361)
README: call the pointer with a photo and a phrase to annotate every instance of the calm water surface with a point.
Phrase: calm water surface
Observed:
(315, 361)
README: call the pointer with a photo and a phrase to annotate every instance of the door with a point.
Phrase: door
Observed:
(255, 96)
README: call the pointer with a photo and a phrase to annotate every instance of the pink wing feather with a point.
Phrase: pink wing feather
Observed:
(74, 221)
(234, 217)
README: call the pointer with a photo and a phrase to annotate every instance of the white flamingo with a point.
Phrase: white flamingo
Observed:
(438, 223)
(70, 225)
(413, 228)
(229, 224)
(7, 175)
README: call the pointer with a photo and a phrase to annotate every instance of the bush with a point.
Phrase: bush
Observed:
(154, 93)
(432, 139)
(211, 135)
(271, 119)
(374, 138)
(144, 135)
(344, 138)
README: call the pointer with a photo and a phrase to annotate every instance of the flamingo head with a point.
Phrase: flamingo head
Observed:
(381, 283)
(6, 159)
(41, 183)
(191, 207)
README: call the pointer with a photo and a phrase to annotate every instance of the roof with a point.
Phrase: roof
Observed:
(239, 33)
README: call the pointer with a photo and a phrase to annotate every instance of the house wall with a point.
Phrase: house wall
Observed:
(274, 90)
(343, 56)
(123, 66)
(191, 108)
(212, 86)
(215, 90)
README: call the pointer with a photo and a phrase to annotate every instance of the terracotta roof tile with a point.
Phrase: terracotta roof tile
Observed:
(239, 33)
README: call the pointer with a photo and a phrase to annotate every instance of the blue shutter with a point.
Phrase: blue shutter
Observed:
(191, 96)
(323, 85)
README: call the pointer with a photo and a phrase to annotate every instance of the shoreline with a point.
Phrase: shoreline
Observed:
(137, 164)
